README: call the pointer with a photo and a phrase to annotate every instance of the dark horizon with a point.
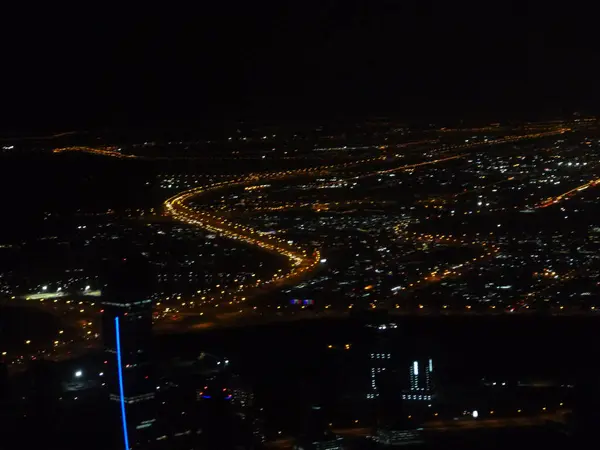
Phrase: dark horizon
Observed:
(264, 62)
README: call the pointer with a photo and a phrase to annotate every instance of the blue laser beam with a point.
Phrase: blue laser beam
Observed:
(121, 388)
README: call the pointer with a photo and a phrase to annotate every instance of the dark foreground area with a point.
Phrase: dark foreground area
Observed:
(291, 366)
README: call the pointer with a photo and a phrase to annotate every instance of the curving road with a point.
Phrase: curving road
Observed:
(302, 260)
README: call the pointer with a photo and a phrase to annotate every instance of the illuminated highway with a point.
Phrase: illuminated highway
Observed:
(566, 195)
(105, 151)
(300, 259)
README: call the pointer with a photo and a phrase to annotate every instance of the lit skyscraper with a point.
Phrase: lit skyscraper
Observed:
(380, 363)
(420, 381)
(380, 360)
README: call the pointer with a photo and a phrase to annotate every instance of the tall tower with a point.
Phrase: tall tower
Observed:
(381, 361)
(127, 335)
(420, 381)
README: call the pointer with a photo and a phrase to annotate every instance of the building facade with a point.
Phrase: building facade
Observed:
(127, 335)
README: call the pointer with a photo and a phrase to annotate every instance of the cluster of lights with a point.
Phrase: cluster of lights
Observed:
(105, 151)
(318, 207)
(437, 275)
(301, 262)
(299, 258)
(507, 139)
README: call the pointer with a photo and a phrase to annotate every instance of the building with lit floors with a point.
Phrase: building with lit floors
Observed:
(381, 360)
(395, 423)
(127, 336)
(381, 365)
(421, 386)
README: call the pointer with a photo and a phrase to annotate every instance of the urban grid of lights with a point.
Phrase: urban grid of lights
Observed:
(489, 249)
(300, 260)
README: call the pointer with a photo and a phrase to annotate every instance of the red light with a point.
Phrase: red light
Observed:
(146, 377)
(101, 310)
(105, 362)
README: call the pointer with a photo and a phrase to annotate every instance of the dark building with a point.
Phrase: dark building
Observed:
(44, 388)
(127, 335)
(395, 423)
(4, 389)
(317, 435)
(245, 407)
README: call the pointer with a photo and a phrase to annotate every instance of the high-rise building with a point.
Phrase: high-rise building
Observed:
(381, 359)
(380, 364)
(127, 335)
(420, 381)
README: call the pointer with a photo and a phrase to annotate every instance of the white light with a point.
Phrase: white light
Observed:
(87, 288)
(475, 414)
(101, 374)
(323, 260)
(431, 365)
(44, 288)
(416, 367)
(78, 374)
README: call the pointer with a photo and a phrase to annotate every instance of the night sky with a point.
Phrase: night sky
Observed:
(102, 66)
